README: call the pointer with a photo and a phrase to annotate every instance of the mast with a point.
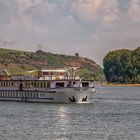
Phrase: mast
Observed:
(8, 74)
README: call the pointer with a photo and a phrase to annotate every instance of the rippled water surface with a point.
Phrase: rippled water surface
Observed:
(113, 115)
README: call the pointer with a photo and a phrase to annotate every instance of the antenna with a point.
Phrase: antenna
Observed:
(39, 47)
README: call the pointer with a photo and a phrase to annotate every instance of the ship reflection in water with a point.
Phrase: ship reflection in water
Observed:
(63, 122)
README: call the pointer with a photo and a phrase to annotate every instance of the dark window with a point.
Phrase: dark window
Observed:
(85, 84)
(34, 84)
(48, 84)
(12, 84)
(60, 84)
(73, 83)
(43, 84)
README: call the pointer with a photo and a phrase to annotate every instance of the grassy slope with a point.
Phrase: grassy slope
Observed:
(18, 62)
(3, 50)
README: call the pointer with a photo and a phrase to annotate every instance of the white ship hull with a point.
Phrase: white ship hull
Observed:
(54, 91)
(54, 95)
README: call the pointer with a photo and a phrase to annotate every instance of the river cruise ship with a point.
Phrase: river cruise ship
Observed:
(59, 89)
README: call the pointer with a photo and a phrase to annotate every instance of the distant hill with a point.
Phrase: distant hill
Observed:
(19, 62)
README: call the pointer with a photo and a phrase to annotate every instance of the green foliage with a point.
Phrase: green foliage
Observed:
(122, 66)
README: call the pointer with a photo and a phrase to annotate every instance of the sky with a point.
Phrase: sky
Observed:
(91, 28)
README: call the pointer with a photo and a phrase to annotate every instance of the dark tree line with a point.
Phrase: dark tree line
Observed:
(122, 66)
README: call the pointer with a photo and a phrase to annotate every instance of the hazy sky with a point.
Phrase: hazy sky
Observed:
(89, 27)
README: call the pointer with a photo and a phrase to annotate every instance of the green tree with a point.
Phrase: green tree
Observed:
(122, 66)
(136, 65)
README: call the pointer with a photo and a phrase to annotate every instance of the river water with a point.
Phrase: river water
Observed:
(113, 115)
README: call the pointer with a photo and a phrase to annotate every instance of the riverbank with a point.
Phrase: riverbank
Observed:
(111, 84)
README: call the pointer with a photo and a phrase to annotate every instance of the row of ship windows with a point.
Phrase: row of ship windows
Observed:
(36, 84)
(18, 94)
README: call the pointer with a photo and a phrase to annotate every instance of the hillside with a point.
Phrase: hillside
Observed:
(19, 62)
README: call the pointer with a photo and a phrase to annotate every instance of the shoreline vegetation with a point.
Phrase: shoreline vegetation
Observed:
(122, 66)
